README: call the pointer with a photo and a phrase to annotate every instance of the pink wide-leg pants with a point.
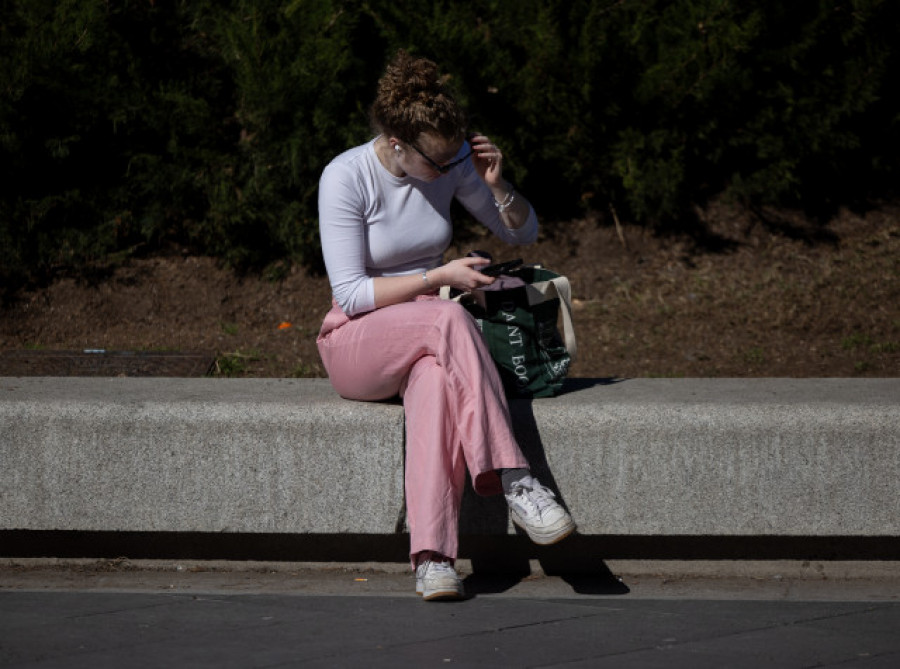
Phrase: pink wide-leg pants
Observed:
(430, 352)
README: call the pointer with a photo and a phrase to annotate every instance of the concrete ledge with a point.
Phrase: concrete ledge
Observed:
(196, 455)
(674, 457)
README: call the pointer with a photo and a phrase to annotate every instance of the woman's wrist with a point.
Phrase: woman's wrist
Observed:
(501, 192)
(506, 202)
(434, 278)
(514, 209)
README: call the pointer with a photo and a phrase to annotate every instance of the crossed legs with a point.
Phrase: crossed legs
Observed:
(430, 353)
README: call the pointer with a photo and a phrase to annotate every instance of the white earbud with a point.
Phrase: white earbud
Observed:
(396, 148)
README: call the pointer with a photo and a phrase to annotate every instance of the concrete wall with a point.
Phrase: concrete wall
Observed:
(701, 457)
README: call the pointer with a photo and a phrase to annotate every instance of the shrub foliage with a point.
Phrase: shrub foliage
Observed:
(132, 124)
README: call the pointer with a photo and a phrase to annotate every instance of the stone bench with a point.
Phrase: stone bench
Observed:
(643, 457)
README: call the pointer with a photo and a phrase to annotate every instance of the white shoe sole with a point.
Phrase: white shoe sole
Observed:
(441, 594)
(447, 592)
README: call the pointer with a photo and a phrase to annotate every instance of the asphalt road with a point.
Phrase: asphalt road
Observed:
(122, 614)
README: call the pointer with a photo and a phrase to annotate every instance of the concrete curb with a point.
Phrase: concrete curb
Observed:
(768, 580)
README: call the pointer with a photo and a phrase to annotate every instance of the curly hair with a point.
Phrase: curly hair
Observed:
(413, 98)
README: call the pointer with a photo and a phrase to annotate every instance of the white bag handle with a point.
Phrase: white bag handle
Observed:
(561, 288)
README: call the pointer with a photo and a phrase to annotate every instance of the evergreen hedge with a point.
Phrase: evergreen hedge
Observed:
(127, 125)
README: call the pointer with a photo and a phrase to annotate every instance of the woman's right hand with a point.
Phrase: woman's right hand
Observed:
(462, 274)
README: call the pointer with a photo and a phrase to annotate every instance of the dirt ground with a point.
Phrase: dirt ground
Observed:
(764, 294)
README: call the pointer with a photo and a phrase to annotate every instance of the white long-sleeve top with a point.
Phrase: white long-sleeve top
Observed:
(374, 224)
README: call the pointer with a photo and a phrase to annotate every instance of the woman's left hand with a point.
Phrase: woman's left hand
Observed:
(488, 160)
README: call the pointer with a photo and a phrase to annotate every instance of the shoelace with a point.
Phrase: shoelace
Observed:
(537, 496)
(442, 567)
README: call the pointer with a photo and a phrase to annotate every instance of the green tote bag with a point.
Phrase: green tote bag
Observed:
(521, 326)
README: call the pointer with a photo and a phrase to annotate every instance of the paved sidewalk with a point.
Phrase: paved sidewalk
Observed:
(191, 615)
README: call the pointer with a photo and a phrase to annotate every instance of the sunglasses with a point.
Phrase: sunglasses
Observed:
(443, 169)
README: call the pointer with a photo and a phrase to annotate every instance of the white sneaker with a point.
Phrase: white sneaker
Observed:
(438, 580)
(535, 509)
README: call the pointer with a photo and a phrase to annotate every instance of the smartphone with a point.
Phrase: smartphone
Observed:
(501, 267)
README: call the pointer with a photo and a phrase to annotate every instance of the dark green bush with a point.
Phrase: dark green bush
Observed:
(126, 126)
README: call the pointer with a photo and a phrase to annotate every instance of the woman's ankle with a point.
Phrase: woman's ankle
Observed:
(433, 556)
(510, 476)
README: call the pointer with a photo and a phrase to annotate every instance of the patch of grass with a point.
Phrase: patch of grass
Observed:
(236, 363)
(230, 329)
(867, 343)
(302, 371)
(886, 347)
(856, 340)
(754, 356)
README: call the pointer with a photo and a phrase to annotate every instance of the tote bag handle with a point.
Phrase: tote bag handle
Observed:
(558, 287)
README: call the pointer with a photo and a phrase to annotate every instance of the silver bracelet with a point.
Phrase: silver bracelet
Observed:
(507, 203)
(506, 200)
